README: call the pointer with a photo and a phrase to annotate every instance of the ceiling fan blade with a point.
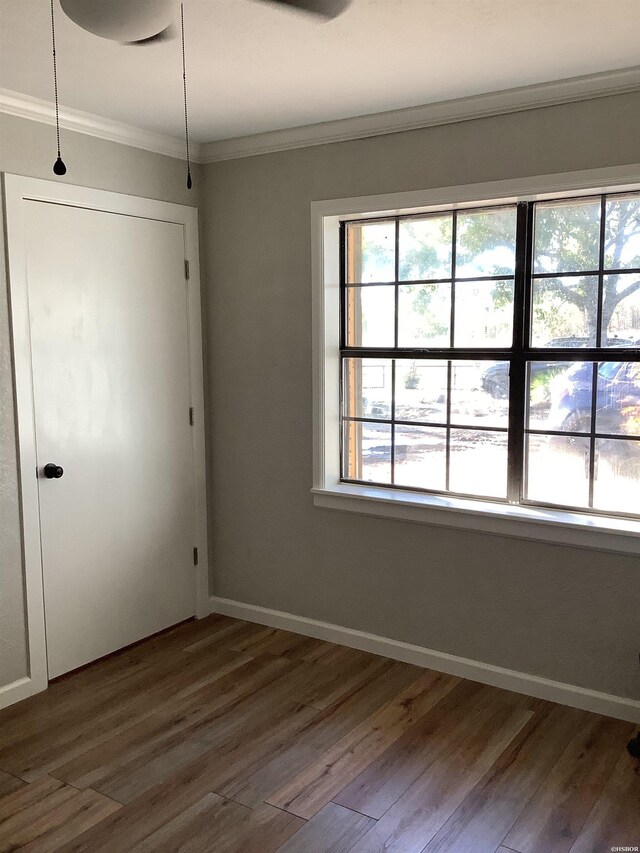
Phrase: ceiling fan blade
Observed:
(324, 8)
(121, 20)
(167, 34)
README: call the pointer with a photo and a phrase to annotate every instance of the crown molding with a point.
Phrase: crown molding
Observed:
(35, 109)
(341, 130)
(429, 115)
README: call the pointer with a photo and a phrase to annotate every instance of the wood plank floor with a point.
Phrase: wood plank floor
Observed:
(221, 735)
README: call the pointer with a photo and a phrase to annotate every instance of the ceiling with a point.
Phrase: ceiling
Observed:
(254, 67)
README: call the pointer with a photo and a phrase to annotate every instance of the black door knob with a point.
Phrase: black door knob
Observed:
(53, 471)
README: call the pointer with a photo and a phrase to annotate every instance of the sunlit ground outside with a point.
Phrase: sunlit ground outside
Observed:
(617, 484)
(557, 466)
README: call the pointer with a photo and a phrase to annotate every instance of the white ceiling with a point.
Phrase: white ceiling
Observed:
(253, 67)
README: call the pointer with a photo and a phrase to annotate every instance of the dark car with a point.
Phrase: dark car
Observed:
(617, 399)
(495, 379)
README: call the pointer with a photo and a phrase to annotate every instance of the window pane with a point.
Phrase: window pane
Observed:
(424, 315)
(567, 236)
(371, 252)
(421, 457)
(426, 247)
(478, 463)
(447, 280)
(617, 483)
(471, 401)
(486, 243)
(558, 470)
(618, 399)
(621, 310)
(370, 316)
(483, 314)
(421, 390)
(546, 382)
(366, 390)
(570, 395)
(366, 453)
(622, 235)
(564, 312)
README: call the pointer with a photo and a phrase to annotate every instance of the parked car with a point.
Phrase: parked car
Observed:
(495, 379)
(617, 399)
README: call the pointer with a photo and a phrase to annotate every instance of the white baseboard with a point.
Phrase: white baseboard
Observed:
(508, 679)
(18, 690)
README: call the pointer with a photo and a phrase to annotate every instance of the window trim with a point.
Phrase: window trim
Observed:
(550, 525)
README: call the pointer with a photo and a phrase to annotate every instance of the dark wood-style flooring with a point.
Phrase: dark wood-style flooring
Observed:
(222, 735)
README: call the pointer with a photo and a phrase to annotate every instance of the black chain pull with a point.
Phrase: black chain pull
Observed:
(59, 167)
(184, 89)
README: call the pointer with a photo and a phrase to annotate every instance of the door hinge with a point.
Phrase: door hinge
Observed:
(186, 269)
(191, 416)
(195, 556)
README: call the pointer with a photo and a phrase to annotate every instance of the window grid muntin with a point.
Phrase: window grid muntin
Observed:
(449, 424)
(519, 355)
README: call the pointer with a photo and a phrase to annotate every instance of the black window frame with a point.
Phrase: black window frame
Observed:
(518, 355)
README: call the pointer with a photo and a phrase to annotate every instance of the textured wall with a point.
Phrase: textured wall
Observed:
(562, 613)
(28, 148)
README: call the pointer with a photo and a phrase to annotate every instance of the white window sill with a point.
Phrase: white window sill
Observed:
(546, 525)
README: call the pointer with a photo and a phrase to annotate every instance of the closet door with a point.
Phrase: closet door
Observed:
(109, 338)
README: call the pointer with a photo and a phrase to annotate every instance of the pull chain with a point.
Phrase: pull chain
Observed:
(184, 89)
(59, 167)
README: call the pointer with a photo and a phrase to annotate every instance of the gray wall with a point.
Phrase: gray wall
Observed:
(28, 148)
(562, 613)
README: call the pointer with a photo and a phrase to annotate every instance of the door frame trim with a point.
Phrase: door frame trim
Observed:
(18, 189)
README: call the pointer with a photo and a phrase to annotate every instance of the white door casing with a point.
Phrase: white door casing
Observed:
(143, 579)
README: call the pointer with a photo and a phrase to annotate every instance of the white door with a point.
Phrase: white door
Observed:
(109, 339)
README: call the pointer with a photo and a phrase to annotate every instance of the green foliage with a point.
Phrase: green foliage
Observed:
(502, 293)
(567, 239)
(541, 383)
(486, 241)
(416, 260)
(412, 379)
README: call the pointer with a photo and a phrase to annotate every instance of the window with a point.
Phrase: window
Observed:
(494, 353)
